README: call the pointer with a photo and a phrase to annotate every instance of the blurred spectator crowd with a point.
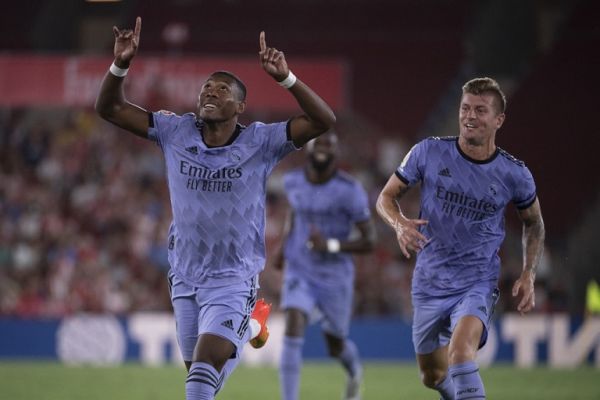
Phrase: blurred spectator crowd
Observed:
(84, 215)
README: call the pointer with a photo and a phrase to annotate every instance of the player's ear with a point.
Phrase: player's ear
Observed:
(241, 107)
(500, 120)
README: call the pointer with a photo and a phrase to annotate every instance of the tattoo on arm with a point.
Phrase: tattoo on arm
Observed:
(401, 192)
(533, 238)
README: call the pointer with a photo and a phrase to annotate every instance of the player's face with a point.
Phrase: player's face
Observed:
(218, 100)
(322, 151)
(478, 117)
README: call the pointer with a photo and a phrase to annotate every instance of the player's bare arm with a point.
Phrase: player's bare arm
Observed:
(533, 248)
(362, 244)
(318, 117)
(388, 208)
(111, 103)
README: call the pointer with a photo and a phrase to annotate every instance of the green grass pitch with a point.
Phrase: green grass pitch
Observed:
(50, 381)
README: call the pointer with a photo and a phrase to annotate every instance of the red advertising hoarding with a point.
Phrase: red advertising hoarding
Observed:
(157, 82)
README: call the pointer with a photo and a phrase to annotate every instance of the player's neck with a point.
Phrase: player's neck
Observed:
(216, 134)
(480, 151)
(320, 176)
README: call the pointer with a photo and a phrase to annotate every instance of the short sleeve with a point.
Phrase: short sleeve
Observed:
(410, 170)
(525, 191)
(276, 140)
(163, 125)
(359, 210)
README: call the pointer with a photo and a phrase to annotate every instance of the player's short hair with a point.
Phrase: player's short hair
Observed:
(486, 85)
(235, 78)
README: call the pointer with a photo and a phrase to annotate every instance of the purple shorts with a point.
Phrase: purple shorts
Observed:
(332, 305)
(222, 311)
(435, 318)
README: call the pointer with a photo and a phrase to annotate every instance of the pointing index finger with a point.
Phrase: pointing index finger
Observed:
(262, 41)
(138, 27)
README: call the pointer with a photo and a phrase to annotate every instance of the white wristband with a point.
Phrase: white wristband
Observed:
(333, 246)
(289, 81)
(116, 71)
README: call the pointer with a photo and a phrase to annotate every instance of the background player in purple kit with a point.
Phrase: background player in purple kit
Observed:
(216, 173)
(466, 184)
(326, 205)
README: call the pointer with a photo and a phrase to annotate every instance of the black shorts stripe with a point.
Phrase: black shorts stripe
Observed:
(250, 303)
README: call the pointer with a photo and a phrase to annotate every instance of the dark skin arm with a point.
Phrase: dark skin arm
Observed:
(278, 258)
(316, 242)
(407, 230)
(533, 248)
(363, 244)
(318, 117)
(111, 103)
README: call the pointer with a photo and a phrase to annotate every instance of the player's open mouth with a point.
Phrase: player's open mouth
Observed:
(209, 107)
(470, 126)
(321, 157)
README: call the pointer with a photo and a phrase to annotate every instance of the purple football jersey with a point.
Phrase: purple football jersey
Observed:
(217, 196)
(332, 208)
(464, 201)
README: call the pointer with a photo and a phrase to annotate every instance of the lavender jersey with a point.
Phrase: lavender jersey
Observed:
(332, 208)
(464, 201)
(217, 195)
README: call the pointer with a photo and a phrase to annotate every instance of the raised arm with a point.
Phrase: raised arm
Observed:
(318, 117)
(111, 103)
(388, 207)
(533, 248)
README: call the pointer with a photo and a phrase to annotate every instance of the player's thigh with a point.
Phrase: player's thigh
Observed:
(465, 339)
(479, 302)
(214, 350)
(295, 322)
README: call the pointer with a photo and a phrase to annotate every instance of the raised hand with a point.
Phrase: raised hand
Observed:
(126, 43)
(272, 60)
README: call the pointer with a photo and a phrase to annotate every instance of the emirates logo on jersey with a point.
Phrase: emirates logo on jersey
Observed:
(464, 206)
(209, 180)
(197, 171)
